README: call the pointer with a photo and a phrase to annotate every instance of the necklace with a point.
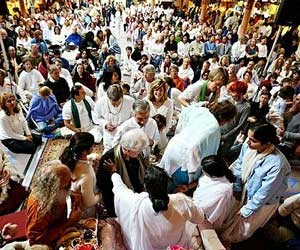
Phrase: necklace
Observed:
(117, 111)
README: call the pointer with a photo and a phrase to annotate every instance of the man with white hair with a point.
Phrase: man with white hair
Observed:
(126, 156)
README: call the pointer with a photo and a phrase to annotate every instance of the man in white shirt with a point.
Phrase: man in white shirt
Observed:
(140, 119)
(77, 114)
(111, 111)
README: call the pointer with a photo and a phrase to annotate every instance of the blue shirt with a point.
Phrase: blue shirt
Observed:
(267, 182)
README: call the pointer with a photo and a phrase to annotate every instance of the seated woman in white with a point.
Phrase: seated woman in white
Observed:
(154, 220)
(160, 103)
(214, 190)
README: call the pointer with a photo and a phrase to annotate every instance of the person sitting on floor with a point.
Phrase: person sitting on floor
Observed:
(47, 217)
(75, 156)
(14, 131)
(214, 190)
(129, 164)
(45, 111)
(111, 111)
(77, 114)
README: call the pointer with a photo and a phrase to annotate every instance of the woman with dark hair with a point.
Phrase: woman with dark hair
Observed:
(14, 131)
(44, 65)
(83, 76)
(171, 46)
(109, 78)
(152, 214)
(75, 156)
(214, 190)
(111, 40)
(99, 39)
(261, 172)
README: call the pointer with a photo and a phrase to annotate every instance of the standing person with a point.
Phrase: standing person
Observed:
(154, 213)
(83, 174)
(197, 135)
(14, 131)
(47, 217)
(261, 172)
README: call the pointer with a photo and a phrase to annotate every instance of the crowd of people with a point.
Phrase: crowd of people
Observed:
(186, 108)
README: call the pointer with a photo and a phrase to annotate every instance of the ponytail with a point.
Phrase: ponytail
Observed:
(156, 183)
(69, 157)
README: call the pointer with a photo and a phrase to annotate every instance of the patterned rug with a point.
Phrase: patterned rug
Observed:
(55, 147)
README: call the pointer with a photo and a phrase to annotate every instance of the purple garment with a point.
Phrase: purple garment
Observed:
(42, 109)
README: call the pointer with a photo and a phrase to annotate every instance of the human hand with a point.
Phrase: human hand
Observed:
(109, 166)
(9, 231)
(28, 138)
(280, 132)
(181, 189)
(110, 127)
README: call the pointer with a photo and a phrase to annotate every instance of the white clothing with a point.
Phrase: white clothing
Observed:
(214, 197)
(237, 51)
(85, 121)
(13, 126)
(197, 136)
(188, 72)
(156, 49)
(192, 92)
(291, 206)
(22, 42)
(100, 91)
(138, 86)
(166, 109)
(175, 92)
(64, 73)
(105, 113)
(143, 228)
(7, 86)
(183, 49)
(254, 78)
(150, 128)
(29, 83)
(58, 39)
(84, 182)
(262, 51)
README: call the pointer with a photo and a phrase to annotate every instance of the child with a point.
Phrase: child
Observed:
(161, 125)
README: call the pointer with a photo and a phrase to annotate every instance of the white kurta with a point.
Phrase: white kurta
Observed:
(143, 228)
(150, 129)
(29, 83)
(214, 196)
(105, 113)
(85, 121)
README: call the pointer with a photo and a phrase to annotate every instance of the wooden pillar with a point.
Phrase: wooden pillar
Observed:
(246, 18)
(152, 3)
(22, 7)
(204, 7)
